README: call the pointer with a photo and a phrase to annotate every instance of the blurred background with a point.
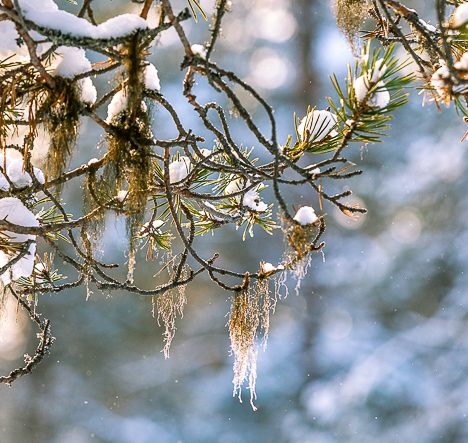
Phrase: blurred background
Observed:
(375, 346)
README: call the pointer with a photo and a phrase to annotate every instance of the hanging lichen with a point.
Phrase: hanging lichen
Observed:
(169, 306)
(123, 186)
(96, 195)
(129, 156)
(301, 241)
(60, 111)
(350, 15)
(2, 298)
(248, 320)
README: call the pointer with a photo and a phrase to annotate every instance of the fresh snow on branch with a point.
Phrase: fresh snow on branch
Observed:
(46, 14)
(306, 215)
(14, 211)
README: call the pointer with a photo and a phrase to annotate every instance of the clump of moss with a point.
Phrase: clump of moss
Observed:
(350, 14)
(249, 318)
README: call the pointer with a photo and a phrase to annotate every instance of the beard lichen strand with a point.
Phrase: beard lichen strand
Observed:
(129, 152)
(2, 299)
(61, 110)
(350, 15)
(266, 305)
(249, 317)
(94, 195)
(169, 306)
(299, 239)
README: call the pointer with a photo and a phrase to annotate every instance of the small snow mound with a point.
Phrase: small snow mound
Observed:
(236, 185)
(317, 125)
(267, 268)
(16, 175)
(253, 201)
(179, 169)
(313, 170)
(306, 216)
(70, 62)
(118, 104)
(88, 92)
(462, 64)
(199, 50)
(122, 195)
(378, 99)
(14, 211)
(151, 78)
(460, 16)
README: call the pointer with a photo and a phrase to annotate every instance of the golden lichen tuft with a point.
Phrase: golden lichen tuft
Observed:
(350, 15)
(249, 318)
(301, 241)
(96, 195)
(128, 165)
(61, 111)
(129, 156)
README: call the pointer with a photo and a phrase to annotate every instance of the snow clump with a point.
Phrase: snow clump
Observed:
(379, 98)
(317, 125)
(306, 216)
(14, 211)
(179, 169)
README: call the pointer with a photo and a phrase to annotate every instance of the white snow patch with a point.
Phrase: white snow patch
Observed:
(460, 16)
(122, 195)
(70, 62)
(151, 78)
(157, 224)
(268, 267)
(88, 92)
(429, 27)
(152, 226)
(199, 50)
(253, 201)
(462, 64)
(251, 198)
(179, 169)
(210, 214)
(41, 143)
(16, 175)
(118, 104)
(314, 171)
(317, 125)
(440, 79)
(8, 43)
(376, 73)
(236, 185)
(9, 47)
(306, 216)
(47, 14)
(205, 152)
(14, 211)
(378, 99)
